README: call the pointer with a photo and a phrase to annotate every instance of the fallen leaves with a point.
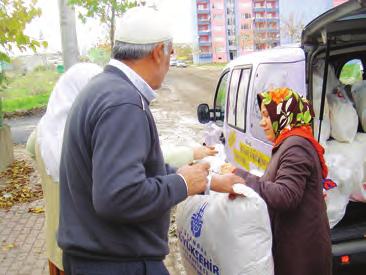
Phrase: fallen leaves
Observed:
(8, 247)
(17, 188)
(36, 210)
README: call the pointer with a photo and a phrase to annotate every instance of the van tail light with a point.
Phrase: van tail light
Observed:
(345, 260)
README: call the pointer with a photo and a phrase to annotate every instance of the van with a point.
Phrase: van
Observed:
(332, 49)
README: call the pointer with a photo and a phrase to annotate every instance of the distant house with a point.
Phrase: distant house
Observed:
(27, 63)
(4, 66)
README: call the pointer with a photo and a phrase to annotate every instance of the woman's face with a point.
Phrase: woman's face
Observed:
(266, 124)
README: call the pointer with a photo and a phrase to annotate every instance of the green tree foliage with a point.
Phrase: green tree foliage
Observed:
(14, 16)
(183, 51)
(104, 10)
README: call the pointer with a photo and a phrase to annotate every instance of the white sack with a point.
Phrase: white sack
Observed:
(346, 165)
(343, 118)
(221, 236)
(325, 131)
(336, 206)
(359, 193)
(359, 97)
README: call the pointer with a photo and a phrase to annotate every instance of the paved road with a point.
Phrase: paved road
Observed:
(21, 127)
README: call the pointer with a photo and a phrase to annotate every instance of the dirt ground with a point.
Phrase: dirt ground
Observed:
(175, 114)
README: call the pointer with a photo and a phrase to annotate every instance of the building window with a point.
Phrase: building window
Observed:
(218, 28)
(218, 6)
(217, 16)
(246, 15)
(218, 39)
(245, 26)
(219, 50)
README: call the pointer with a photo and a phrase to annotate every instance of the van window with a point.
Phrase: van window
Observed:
(233, 88)
(269, 76)
(351, 72)
(220, 97)
(242, 99)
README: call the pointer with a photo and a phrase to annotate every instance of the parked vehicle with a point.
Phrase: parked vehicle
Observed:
(173, 62)
(337, 38)
(181, 64)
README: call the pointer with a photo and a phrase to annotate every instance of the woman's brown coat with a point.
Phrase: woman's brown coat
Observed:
(292, 189)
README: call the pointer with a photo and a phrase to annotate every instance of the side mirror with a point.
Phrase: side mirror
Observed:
(203, 113)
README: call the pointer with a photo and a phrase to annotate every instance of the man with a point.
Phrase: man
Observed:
(116, 191)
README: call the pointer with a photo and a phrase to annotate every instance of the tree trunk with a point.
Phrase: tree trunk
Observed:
(112, 27)
(70, 51)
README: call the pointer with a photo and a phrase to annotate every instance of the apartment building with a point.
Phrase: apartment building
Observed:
(338, 2)
(228, 28)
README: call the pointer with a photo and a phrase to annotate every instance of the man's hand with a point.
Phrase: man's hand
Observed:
(204, 151)
(195, 176)
(224, 183)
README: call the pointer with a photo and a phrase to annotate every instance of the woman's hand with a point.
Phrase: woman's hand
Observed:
(224, 183)
(204, 151)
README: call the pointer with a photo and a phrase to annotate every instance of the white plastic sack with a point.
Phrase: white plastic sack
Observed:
(359, 97)
(346, 165)
(336, 206)
(359, 193)
(343, 117)
(212, 134)
(325, 131)
(221, 236)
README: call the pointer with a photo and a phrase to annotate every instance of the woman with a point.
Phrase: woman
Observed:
(292, 186)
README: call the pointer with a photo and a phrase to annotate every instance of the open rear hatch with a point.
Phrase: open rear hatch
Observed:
(343, 27)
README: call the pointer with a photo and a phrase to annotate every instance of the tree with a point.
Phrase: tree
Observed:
(14, 17)
(292, 28)
(105, 10)
(70, 51)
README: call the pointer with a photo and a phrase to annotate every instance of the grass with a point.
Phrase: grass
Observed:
(29, 91)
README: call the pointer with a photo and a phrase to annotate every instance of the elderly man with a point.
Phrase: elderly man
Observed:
(116, 191)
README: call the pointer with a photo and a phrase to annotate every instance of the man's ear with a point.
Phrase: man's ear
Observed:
(158, 53)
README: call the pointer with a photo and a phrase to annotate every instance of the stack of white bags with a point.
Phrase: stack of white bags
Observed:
(345, 153)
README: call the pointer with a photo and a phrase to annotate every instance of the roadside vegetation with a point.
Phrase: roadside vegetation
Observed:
(28, 91)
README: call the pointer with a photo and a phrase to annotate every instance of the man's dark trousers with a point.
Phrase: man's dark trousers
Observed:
(82, 266)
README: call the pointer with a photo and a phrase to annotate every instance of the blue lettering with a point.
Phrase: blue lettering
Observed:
(201, 259)
(216, 270)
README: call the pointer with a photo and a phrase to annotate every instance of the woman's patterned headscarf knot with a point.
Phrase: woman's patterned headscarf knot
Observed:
(286, 109)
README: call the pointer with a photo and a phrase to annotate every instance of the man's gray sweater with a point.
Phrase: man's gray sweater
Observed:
(116, 191)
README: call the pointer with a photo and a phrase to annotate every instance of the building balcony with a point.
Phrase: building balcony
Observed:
(203, 21)
(203, 11)
(270, 9)
(205, 55)
(259, 9)
(264, 30)
(204, 42)
(264, 19)
(202, 1)
(204, 32)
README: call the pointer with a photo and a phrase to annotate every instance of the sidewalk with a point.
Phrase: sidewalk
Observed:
(22, 241)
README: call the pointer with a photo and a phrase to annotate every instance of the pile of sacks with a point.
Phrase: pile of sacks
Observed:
(344, 147)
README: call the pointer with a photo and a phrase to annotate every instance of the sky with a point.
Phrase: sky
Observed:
(178, 13)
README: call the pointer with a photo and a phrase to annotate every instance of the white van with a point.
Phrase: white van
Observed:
(333, 49)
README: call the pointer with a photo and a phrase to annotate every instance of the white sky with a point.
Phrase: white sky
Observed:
(178, 12)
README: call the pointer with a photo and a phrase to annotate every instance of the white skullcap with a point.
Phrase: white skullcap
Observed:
(142, 25)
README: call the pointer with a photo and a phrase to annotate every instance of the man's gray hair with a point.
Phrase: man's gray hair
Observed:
(125, 51)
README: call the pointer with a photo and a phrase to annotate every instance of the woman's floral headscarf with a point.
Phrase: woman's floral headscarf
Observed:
(291, 115)
(286, 109)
